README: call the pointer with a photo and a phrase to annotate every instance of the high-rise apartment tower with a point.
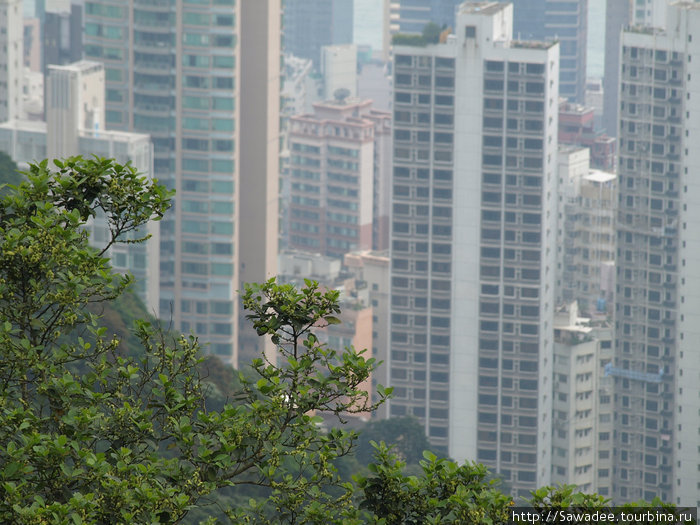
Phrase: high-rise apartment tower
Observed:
(473, 242)
(11, 59)
(176, 70)
(657, 323)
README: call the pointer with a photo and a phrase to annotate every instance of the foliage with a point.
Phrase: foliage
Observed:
(406, 434)
(567, 498)
(91, 433)
(431, 33)
(406, 39)
(8, 172)
(444, 493)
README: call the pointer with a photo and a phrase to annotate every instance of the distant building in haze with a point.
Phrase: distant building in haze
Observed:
(565, 21)
(32, 44)
(408, 16)
(577, 127)
(11, 59)
(588, 202)
(339, 70)
(656, 367)
(63, 35)
(311, 24)
(338, 166)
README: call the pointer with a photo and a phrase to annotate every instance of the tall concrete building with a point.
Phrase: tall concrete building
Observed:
(338, 162)
(260, 81)
(584, 427)
(11, 59)
(176, 71)
(311, 24)
(656, 367)
(473, 243)
(565, 21)
(618, 15)
(586, 231)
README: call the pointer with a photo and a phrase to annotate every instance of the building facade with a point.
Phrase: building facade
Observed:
(656, 367)
(174, 70)
(588, 203)
(618, 15)
(11, 59)
(583, 409)
(565, 21)
(336, 154)
(75, 126)
(473, 243)
(409, 16)
(311, 24)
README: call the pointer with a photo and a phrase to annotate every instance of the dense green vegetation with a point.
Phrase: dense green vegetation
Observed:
(430, 35)
(107, 418)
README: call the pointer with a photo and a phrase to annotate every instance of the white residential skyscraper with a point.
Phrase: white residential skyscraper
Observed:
(473, 243)
(657, 369)
(11, 59)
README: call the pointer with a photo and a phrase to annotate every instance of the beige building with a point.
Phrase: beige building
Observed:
(582, 433)
(75, 101)
(372, 270)
(260, 81)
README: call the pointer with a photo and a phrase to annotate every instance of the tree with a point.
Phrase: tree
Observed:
(8, 172)
(406, 435)
(444, 493)
(431, 33)
(90, 433)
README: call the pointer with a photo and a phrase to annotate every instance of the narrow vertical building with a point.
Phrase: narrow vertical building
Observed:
(176, 70)
(473, 243)
(260, 50)
(657, 324)
(11, 59)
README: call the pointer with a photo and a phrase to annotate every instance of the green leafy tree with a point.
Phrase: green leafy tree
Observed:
(91, 433)
(8, 172)
(405, 434)
(431, 33)
(443, 493)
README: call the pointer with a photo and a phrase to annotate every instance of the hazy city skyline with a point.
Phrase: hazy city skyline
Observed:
(506, 200)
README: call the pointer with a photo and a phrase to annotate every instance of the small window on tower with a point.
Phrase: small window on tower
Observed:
(470, 31)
